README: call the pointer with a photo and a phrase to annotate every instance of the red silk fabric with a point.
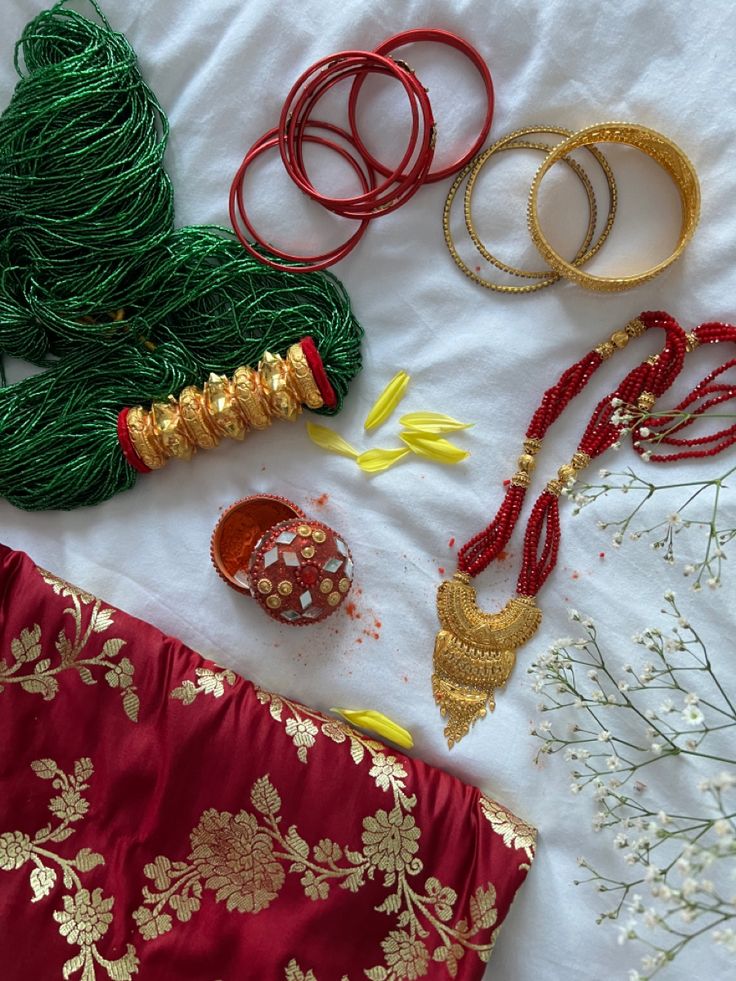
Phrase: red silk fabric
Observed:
(162, 817)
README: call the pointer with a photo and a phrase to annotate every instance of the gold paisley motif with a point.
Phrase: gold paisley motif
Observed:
(475, 652)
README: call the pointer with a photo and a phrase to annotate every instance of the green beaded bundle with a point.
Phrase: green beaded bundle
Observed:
(100, 290)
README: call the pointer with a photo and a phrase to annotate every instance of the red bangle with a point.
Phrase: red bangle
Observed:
(237, 206)
(400, 190)
(440, 37)
(308, 90)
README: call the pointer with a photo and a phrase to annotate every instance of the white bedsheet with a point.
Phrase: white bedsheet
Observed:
(221, 70)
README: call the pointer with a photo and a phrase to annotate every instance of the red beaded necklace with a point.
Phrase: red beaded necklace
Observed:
(475, 651)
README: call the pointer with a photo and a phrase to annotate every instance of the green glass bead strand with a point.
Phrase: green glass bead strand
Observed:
(100, 289)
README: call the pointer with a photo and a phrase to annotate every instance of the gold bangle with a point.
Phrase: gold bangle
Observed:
(666, 153)
(515, 141)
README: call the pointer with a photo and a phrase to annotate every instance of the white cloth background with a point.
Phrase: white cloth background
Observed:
(221, 70)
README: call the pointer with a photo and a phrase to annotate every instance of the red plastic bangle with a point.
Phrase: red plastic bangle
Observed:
(295, 100)
(237, 206)
(400, 191)
(440, 37)
(310, 86)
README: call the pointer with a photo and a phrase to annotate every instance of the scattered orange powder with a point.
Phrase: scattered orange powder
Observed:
(451, 543)
(319, 502)
(441, 570)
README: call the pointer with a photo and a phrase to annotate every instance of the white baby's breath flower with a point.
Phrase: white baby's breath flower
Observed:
(692, 715)
(604, 735)
(656, 748)
(722, 828)
(573, 615)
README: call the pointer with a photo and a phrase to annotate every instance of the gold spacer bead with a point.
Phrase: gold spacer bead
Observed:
(526, 462)
(620, 338)
(580, 460)
(265, 586)
(653, 359)
(605, 349)
(566, 473)
(635, 327)
(532, 445)
(326, 586)
(692, 340)
(520, 479)
(646, 401)
(555, 487)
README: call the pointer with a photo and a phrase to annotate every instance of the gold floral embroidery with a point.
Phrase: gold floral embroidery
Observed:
(41, 678)
(305, 724)
(515, 832)
(209, 682)
(294, 973)
(85, 916)
(244, 858)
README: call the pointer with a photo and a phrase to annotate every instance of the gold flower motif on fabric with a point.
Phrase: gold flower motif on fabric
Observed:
(85, 916)
(243, 860)
(37, 673)
(515, 833)
(209, 681)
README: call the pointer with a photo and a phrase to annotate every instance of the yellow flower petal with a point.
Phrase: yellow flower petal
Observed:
(379, 723)
(328, 439)
(433, 447)
(432, 422)
(374, 461)
(387, 400)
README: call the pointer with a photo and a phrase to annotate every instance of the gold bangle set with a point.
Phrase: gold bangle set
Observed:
(663, 151)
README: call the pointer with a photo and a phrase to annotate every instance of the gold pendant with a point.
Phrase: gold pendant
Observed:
(475, 652)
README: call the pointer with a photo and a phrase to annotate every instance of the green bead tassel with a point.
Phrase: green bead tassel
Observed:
(100, 290)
